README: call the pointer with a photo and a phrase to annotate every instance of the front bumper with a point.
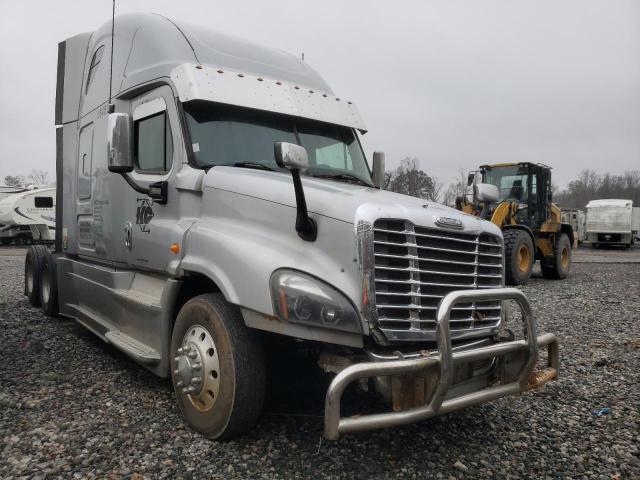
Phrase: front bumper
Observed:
(516, 361)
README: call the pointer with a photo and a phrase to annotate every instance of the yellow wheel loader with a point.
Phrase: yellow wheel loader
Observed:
(517, 198)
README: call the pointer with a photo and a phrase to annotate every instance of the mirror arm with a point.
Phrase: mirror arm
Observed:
(306, 226)
(161, 187)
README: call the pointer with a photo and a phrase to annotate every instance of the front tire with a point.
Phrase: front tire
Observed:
(558, 266)
(519, 256)
(218, 368)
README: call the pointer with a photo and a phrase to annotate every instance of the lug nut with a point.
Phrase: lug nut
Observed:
(176, 371)
(192, 355)
(180, 383)
(180, 350)
(177, 359)
(197, 366)
(196, 380)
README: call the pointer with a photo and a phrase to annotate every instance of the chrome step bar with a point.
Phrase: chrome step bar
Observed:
(444, 361)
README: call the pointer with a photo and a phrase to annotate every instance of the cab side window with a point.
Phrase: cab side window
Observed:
(153, 144)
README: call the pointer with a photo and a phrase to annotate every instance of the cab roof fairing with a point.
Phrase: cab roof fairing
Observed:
(203, 82)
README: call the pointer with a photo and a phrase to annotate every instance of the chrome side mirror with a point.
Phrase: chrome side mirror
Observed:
(291, 156)
(486, 192)
(378, 169)
(294, 158)
(120, 143)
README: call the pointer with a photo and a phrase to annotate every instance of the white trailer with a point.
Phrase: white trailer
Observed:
(6, 190)
(609, 222)
(578, 221)
(28, 216)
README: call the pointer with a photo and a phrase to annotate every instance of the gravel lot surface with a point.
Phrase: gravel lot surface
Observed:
(72, 406)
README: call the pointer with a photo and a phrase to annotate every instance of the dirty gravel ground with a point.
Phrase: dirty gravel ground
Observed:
(73, 406)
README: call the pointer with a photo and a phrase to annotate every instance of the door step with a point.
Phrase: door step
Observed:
(138, 350)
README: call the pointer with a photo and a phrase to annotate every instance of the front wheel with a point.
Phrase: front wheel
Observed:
(558, 266)
(519, 256)
(218, 368)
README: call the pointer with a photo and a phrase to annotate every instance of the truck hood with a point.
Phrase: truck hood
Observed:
(338, 200)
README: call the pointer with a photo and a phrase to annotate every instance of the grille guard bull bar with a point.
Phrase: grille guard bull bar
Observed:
(445, 359)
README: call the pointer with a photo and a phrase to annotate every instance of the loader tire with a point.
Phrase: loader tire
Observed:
(558, 266)
(210, 343)
(519, 256)
(49, 286)
(33, 272)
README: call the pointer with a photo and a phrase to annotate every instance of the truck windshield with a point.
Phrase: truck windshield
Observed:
(511, 181)
(228, 135)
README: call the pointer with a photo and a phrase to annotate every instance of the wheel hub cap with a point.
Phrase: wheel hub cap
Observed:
(197, 368)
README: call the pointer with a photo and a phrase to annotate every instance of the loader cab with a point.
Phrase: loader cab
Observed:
(527, 184)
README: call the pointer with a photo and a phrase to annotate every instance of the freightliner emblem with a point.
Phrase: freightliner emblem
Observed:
(449, 222)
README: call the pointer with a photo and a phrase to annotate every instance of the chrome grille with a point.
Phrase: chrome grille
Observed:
(416, 266)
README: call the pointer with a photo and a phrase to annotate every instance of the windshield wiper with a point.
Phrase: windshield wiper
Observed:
(344, 176)
(257, 166)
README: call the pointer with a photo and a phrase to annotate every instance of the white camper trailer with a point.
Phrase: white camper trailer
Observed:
(6, 190)
(219, 191)
(578, 221)
(28, 217)
(609, 222)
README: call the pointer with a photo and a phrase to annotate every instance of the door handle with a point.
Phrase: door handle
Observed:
(128, 235)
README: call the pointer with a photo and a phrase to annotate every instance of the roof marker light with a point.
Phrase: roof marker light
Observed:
(278, 83)
(337, 99)
(297, 87)
(259, 79)
(240, 75)
(324, 95)
(199, 67)
(310, 91)
(220, 71)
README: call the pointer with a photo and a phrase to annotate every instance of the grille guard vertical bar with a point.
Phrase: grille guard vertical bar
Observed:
(334, 425)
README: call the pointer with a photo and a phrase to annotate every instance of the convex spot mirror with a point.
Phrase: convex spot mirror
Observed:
(120, 142)
(291, 156)
(487, 192)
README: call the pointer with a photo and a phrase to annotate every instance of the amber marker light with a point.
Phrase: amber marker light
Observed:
(175, 247)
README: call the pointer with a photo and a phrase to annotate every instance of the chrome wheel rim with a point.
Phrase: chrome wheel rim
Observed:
(197, 368)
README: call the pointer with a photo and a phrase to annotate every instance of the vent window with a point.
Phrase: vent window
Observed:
(95, 61)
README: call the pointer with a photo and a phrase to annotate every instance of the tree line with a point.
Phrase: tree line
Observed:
(591, 185)
(409, 179)
(35, 177)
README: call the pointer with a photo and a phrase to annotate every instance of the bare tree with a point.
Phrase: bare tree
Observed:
(410, 180)
(38, 177)
(14, 180)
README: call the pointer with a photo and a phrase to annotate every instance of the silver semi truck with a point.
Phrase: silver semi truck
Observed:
(211, 190)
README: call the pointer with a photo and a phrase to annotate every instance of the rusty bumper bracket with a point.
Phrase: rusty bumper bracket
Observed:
(527, 379)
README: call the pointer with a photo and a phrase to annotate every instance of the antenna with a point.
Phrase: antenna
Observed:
(302, 52)
(113, 18)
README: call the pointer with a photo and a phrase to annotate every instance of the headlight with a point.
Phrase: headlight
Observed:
(300, 298)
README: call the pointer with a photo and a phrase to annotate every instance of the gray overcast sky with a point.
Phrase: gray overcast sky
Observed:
(454, 83)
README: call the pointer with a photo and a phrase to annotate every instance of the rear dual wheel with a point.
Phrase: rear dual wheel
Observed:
(34, 259)
(218, 368)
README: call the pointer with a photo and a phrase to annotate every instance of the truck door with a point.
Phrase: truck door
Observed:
(151, 227)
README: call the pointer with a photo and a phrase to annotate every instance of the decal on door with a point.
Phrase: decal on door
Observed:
(144, 214)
